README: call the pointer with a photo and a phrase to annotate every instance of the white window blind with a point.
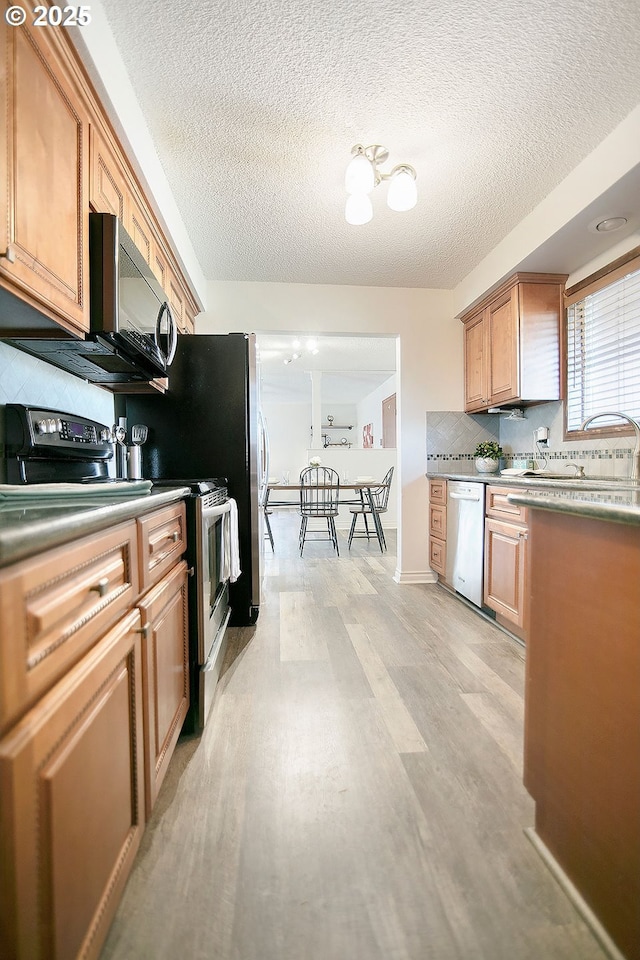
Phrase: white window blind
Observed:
(603, 353)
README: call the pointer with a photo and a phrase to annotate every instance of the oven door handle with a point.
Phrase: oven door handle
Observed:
(217, 511)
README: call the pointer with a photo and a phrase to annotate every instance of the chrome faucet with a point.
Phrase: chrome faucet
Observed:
(579, 471)
(635, 463)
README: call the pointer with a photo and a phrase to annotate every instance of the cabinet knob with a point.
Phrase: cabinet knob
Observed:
(175, 536)
(9, 255)
(101, 586)
(143, 630)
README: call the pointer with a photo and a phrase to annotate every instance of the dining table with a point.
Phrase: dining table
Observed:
(364, 487)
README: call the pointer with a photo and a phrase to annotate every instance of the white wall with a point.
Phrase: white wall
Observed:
(429, 367)
(370, 410)
(289, 426)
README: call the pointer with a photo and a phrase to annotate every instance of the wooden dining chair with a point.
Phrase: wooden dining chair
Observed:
(380, 501)
(319, 495)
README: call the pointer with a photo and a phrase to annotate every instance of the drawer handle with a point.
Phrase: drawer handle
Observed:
(9, 255)
(174, 536)
(101, 587)
(143, 630)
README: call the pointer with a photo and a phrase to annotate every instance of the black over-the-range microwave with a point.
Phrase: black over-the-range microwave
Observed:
(133, 334)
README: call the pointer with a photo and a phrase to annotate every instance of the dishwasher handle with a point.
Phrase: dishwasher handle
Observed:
(475, 497)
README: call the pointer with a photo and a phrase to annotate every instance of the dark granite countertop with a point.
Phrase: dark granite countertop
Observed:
(535, 483)
(617, 505)
(601, 498)
(27, 529)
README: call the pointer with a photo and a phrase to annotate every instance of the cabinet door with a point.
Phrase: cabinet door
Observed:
(505, 574)
(502, 348)
(475, 363)
(140, 230)
(165, 671)
(107, 185)
(176, 300)
(45, 173)
(72, 804)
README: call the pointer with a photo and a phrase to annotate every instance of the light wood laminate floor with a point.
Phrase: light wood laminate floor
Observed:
(357, 792)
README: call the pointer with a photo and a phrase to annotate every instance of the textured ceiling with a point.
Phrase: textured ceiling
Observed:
(254, 108)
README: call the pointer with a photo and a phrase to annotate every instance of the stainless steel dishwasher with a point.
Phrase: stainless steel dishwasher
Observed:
(465, 538)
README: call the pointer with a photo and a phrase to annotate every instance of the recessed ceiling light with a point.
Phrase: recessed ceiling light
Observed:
(607, 224)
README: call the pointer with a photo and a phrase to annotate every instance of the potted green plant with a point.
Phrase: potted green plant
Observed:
(487, 455)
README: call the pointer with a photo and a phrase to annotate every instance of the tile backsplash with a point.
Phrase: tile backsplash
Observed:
(451, 438)
(24, 379)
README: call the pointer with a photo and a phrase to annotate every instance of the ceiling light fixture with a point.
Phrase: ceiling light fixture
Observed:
(607, 224)
(363, 175)
(610, 224)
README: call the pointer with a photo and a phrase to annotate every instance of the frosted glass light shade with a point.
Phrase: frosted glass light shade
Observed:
(358, 209)
(359, 177)
(402, 194)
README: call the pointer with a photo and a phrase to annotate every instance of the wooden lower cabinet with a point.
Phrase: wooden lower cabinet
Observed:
(165, 659)
(505, 551)
(101, 677)
(438, 526)
(506, 554)
(72, 801)
(582, 704)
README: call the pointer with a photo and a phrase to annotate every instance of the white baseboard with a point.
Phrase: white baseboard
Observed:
(415, 576)
(574, 895)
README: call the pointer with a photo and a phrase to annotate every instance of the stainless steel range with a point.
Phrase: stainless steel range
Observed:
(52, 447)
(210, 556)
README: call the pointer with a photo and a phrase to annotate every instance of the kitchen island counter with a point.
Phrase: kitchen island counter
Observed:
(27, 528)
(582, 700)
(617, 505)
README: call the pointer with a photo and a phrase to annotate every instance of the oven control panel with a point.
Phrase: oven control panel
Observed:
(34, 430)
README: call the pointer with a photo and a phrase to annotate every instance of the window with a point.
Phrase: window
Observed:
(603, 347)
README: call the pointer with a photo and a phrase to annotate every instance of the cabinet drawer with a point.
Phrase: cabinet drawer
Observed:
(55, 606)
(437, 521)
(163, 540)
(498, 506)
(438, 555)
(438, 491)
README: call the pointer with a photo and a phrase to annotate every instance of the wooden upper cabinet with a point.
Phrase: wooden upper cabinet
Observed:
(139, 228)
(44, 176)
(512, 343)
(107, 185)
(474, 363)
(59, 159)
(502, 348)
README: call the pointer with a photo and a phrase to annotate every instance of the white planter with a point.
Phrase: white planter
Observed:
(487, 465)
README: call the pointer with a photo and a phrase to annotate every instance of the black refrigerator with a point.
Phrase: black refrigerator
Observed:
(208, 425)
